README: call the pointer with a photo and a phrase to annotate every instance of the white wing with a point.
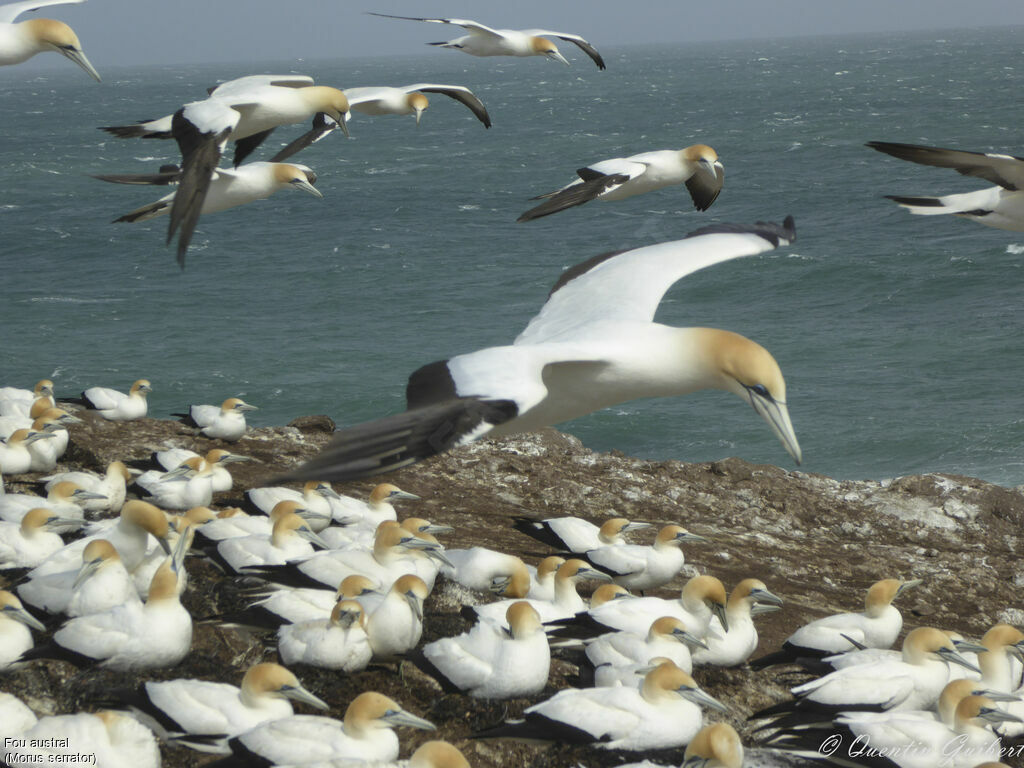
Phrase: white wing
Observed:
(242, 85)
(205, 415)
(628, 286)
(473, 27)
(173, 457)
(103, 399)
(8, 13)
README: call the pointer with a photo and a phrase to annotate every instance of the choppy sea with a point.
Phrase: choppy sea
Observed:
(901, 337)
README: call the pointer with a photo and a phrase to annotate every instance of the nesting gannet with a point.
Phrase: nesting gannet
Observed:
(22, 41)
(228, 188)
(913, 682)
(36, 537)
(42, 389)
(666, 638)
(291, 538)
(393, 555)
(640, 567)
(484, 41)
(566, 603)
(129, 534)
(98, 585)
(484, 569)
(188, 485)
(490, 661)
(1001, 206)
(697, 166)
(227, 420)
(111, 485)
(15, 457)
(340, 643)
(117, 406)
(663, 712)
(877, 627)
(42, 417)
(155, 634)
(702, 598)
(366, 734)
(65, 498)
(574, 534)
(46, 453)
(201, 707)
(15, 639)
(218, 459)
(409, 100)
(107, 739)
(375, 510)
(727, 648)
(592, 345)
(543, 585)
(395, 624)
(246, 111)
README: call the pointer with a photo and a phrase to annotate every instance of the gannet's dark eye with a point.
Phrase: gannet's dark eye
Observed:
(761, 390)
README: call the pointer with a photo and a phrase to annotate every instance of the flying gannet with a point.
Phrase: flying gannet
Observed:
(22, 41)
(409, 100)
(592, 345)
(484, 41)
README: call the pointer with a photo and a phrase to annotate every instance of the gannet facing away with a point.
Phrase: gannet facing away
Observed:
(697, 166)
(592, 345)
(409, 100)
(1001, 206)
(484, 41)
(117, 406)
(19, 42)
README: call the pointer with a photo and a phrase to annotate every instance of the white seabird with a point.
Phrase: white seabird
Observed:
(666, 638)
(278, 605)
(663, 712)
(227, 420)
(728, 648)
(97, 586)
(366, 734)
(245, 110)
(375, 510)
(201, 707)
(315, 497)
(26, 398)
(877, 627)
(108, 739)
(110, 485)
(592, 345)
(640, 567)
(22, 41)
(65, 498)
(574, 534)
(395, 624)
(117, 406)
(36, 537)
(217, 458)
(15, 458)
(15, 638)
(339, 643)
(409, 100)
(484, 569)
(1001, 206)
(697, 166)
(490, 661)
(46, 453)
(484, 41)
(290, 539)
(542, 586)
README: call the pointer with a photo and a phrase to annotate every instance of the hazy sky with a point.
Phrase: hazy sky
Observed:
(126, 32)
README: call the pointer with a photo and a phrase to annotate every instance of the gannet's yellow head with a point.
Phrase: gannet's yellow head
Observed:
(53, 35)
(417, 103)
(717, 745)
(296, 177)
(541, 46)
(330, 101)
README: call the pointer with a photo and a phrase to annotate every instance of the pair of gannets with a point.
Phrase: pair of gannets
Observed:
(188, 485)
(574, 534)
(112, 486)
(19, 42)
(697, 166)
(664, 711)
(245, 110)
(733, 646)
(409, 100)
(614, 658)
(491, 661)
(227, 420)
(65, 498)
(592, 345)
(642, 567)
(1001, 206)
(877, 627)
(218, 459)
(484, 41)
(118, 406)
(290, 538)
(15, 454)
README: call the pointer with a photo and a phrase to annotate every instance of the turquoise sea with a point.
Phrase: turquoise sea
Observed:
(901, 337)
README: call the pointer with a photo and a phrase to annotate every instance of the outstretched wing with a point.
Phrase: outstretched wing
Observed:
(8, 13)
(460, 94)
(473, 27)
(584, 46)
(1005, 170)
(240, 86)
(629, 285)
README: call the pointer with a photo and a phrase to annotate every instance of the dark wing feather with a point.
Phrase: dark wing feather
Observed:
(976, 164)
(320, 129)
(577, 194)
(160, 179)
(588, 49)
(475, 105)
(704, 190)
(245, 147)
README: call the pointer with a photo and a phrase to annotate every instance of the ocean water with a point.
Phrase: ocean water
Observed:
(900, 337)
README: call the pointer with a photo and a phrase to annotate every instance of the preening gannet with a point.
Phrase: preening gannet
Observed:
(697, 166)
(574, 534)
(592, 345)
(226, 188)
(663, 712)
(188, 485)
(22, 41)
(201, 707)
(395, 624)
(340, 643)
(291, 538)
(727, 648)
(409, 100)
(490, 661)
(117, 406)
(1001, 206)
(877, 627)
(484, 41)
